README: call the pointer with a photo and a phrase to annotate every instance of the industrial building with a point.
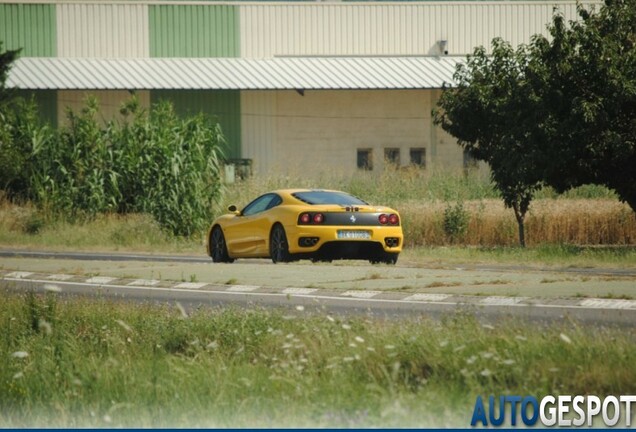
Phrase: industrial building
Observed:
(304, 86)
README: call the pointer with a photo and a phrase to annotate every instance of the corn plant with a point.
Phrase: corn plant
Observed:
(154, 163)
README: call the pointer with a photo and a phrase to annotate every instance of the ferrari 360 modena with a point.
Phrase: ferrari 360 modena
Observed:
(320, 225)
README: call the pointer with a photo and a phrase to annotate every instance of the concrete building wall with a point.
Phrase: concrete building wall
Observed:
(322, 131)
(259, 129)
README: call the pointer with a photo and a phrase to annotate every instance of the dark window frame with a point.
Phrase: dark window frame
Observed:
(420, 161)
(392, 156)
(364, 163)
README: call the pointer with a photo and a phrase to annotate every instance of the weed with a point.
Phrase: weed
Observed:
(442, 284)
(617, 297)
(455, 221)
(309, 371)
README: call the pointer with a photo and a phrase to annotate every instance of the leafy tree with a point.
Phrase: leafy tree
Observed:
(6, 60)
(585, 78)
(18, 118)
(559, 112)
(492, 112)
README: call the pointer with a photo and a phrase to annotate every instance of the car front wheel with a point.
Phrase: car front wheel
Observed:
(218, 247)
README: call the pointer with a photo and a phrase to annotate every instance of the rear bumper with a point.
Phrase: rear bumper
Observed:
(324, 239)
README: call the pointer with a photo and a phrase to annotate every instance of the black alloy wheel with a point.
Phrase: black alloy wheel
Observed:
(278, 246)
(218, 247)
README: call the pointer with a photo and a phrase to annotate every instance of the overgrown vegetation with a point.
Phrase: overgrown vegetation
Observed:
(152, 162)
(80, 362)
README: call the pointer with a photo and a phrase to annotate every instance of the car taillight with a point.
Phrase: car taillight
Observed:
(311, 218)
(390, 219)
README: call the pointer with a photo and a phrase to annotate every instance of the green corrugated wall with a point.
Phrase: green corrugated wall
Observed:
(194, 31)
(31, 27)
(222, 105)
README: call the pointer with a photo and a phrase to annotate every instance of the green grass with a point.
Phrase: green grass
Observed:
(562, 256)
(73, 362)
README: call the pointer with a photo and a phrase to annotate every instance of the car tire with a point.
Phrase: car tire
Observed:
(386, 258)
(218, 247)
(278, 246)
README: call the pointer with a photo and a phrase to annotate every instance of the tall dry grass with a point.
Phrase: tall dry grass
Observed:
(587, 216)
(551, 221)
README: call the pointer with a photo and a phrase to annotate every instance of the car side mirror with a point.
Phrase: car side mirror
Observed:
(233, 209)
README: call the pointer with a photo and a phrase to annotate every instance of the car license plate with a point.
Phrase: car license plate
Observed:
(358, 235)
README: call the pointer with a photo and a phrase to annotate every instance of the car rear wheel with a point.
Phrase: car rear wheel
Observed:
(278, 246)
(218, 247)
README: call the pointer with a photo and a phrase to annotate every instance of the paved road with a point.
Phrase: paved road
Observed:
(142, 257)
(337, 289)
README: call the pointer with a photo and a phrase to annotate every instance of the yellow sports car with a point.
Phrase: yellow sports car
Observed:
(321, 225)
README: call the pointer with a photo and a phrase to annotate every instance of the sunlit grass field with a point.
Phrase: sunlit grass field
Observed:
(583, 227)
(77, 362)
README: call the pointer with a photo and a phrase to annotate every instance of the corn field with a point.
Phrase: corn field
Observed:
(151, 162)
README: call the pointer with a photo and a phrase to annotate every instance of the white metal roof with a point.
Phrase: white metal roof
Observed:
(280, 73)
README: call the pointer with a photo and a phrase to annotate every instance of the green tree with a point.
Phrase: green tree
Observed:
(6, 61)
(585, 77)
(559, 112)
(493, 113)
(20, 131)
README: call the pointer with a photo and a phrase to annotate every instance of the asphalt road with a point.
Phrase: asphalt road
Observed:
(343, 288)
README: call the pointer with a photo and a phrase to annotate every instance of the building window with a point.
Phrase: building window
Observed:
(365, 159)
(469, 161)
(392, 156)
(418, 157)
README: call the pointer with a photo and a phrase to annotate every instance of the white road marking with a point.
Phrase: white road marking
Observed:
(428, 297)
(608, 304)
(19, 274)
(100, 280)
(243, 288)
(355, 295)
(144, 282)
(299, 290)
(60, 277)
(502, 301)
(361, 294)
(191, 285)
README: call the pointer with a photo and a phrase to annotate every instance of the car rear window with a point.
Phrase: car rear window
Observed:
(327, 197)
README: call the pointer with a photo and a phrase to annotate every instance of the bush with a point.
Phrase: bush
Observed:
(455, 221)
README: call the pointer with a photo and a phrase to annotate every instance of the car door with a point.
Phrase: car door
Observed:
(248, 235)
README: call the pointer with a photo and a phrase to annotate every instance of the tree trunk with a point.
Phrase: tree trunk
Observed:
(520, 216)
